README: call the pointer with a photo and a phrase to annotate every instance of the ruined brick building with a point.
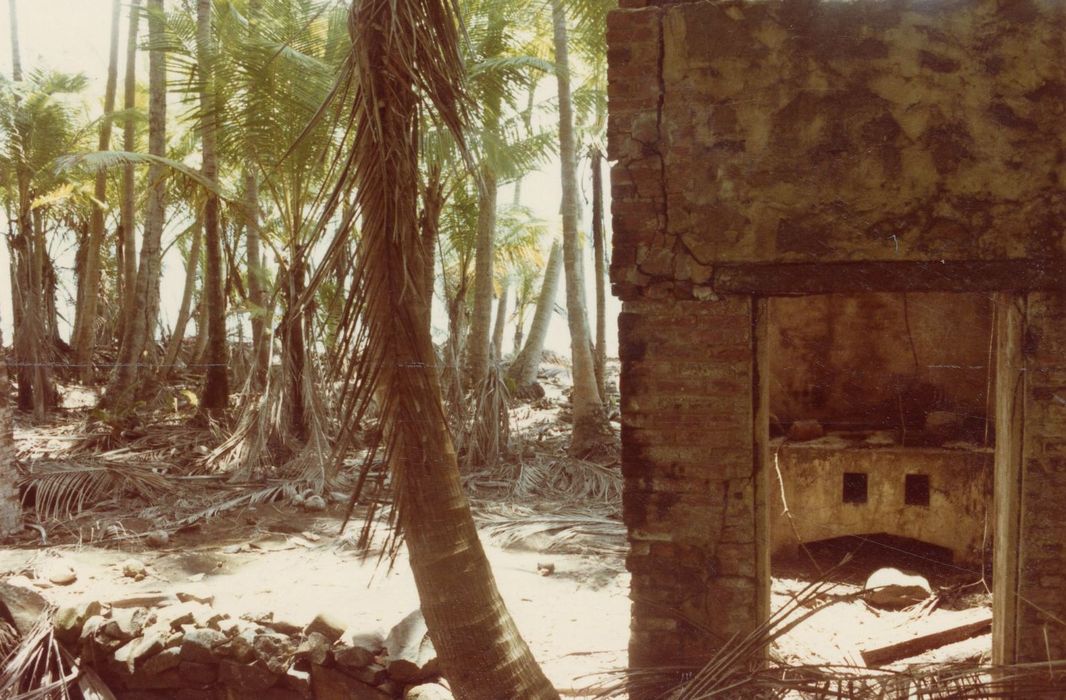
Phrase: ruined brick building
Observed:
(851, 212)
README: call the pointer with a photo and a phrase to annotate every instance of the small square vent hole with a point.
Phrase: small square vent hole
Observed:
(916, 490)
(854, 487)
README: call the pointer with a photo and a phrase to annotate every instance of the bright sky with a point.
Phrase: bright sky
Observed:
(73, 36)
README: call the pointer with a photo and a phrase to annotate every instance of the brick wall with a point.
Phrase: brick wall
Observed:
(1041, 623)
(687, 460)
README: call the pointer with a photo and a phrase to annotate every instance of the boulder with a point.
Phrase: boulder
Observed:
(329, 626)
(199, 645)
(354, 650)
(330, 684)
(246, 678)
(126, 623)
(316, 649)
(274, 650)
(134, 569)
(892, 589)
(163, 661)
(411, 656)
(69, 619)
(23, 608)
(59, 573)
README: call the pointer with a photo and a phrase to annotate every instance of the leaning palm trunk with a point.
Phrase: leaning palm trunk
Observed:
(590, 420)
(403, 49)
(176, 338)
(89, 285)
(523, 371)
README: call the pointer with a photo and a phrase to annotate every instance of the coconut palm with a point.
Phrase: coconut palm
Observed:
(405, 59)
(83, 338)
(590, 427)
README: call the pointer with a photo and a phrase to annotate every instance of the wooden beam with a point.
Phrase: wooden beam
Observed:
(1009, 407)
(918, 645)
(780, 279)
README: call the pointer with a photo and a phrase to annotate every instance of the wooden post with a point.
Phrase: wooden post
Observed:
(760, 387)
(1009, 406)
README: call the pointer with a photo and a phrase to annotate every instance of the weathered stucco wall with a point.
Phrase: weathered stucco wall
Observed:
(854, 361)
(956, 518)
(844, 131)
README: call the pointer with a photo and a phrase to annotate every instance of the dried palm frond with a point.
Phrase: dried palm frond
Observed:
(274, 492)
(38, 668)
(488, 434)
(575, 480)
(62, 489)
(567, 531)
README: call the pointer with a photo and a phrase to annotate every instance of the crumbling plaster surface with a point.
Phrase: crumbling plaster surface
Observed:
(854, 361)
(850, 131)
(957, 518)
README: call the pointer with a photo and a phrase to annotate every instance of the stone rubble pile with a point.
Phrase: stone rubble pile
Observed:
(155, 646)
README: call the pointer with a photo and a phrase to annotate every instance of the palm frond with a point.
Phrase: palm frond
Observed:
(63, 489)
(106, 160)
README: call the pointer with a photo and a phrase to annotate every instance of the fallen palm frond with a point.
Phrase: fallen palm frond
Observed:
(63, 489)
(288, 490)
(38, 667)
(566, 530)
(575, 480)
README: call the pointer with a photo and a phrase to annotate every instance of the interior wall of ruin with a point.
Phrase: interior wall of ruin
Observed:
(876, 360)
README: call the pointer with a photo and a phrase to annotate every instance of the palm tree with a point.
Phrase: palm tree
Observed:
(142, 306)
(84, 335)
(590, 428)
(126, 248)
(523, 371)
(403, 52)
(214, 398)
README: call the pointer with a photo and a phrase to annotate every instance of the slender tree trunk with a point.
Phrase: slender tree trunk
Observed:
(10, 504)
(519, 326)
(143, 306)
(501, 321)
(477, 345)
(215, 395)
(293, 350)
(260, 348)
(34, 383)
(599, 251)
(523, 371)
(127, 246)
(176, 338)
(89, 285)
(590, 420)
(480, 649)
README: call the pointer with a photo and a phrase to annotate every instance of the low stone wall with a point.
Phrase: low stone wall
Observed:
(156, 647)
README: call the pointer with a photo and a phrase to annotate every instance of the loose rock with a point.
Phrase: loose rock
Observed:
(892, 589)
(329, 684)
(22, 607)
(199, 645)
(134, 569)
(428, 691)
(327, 625)
(411, 656)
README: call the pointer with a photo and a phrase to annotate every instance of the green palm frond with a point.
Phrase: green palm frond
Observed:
(107, 160)
(63, 489)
